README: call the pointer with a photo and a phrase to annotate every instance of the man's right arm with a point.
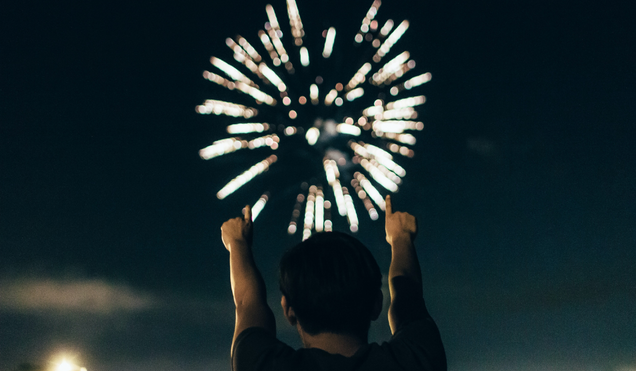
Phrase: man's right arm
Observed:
(405, 276)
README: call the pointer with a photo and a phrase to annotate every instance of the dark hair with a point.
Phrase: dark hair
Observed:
(331, 280)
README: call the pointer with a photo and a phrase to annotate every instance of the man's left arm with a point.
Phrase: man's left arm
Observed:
(248, 286)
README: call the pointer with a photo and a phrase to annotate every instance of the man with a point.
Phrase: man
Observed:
(330, 287)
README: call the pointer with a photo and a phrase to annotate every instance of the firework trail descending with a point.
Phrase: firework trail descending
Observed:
(354, 143)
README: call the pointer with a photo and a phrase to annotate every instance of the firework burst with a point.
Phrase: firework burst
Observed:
(342, 136)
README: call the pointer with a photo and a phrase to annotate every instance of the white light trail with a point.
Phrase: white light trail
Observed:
(271, 15)
(232, 72)
(256, 94)
(247, 128)
(378, 176)
(248, 175)
(402, 138)
(312, 135)
(295, 22)
(364, 28)
(273, 77)
(359, 77)
(267, 140)
(354, 94)
(219, 107)
(309, 212)
(396, 126)
(259, 206)
(329, 40)
(388, 26)
(390, 41)
(249, 48)
(313, 94)
(320, 211)
(333, 93)
(371, 190)
(351, 211)
(390, 68)
(222, 147)
(267, 43)
(348, 129)
(407, 102)
(304, 56)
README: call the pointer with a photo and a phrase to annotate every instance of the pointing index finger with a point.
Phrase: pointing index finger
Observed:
(248, 213)
(388, 206)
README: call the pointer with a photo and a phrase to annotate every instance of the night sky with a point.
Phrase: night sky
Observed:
(522, 182)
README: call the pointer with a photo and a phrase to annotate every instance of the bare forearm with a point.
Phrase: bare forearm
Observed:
(404, 263)
(247, 283)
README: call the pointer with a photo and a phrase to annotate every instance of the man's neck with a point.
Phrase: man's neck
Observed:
(343, 344)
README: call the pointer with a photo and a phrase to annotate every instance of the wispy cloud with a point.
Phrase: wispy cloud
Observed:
(90, 296)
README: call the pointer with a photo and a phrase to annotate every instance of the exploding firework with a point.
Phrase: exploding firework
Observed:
(342, 136)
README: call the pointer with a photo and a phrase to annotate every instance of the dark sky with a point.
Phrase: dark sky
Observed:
(522, 182)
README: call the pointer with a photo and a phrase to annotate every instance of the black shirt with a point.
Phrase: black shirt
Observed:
(415, 346)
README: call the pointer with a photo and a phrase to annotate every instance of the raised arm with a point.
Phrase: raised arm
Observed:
(247, 283)
(405, 276)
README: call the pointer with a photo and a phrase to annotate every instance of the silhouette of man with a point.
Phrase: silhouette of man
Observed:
(330, 285)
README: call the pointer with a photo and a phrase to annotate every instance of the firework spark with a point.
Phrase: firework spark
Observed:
(355, 142)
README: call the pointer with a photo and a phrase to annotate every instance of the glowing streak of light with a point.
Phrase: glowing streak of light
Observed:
(219, 107)
(329, 40)
(359, 77)
(397, 114)
(333, 93)
(352, 217)
(376, 151)
(295, 22)
(388, 26)
(312, 135)
(272, 76)
(256, 94)
(304, 56)
(267, 43)
(259, 206)
(279, 46)
(371, 190)
(373, 213)
(354, 94)
(378, 176)
(391, 40)
(249, 49)
(366, 21)
(235, 74)
(396, 126)
(331, 171)
(247, 128)
(313, 93)
(211, 76)
(267, 140)
(248, 175)
(389, 68)
(402, 138)
(309, 212)
(407, 102)
(348, 129)
(271, 15)
(418, 80)
(222, 147)
(320, 211)
(388, 173)
(373, 111)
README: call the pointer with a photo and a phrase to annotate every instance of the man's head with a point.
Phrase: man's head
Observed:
(332, 283)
